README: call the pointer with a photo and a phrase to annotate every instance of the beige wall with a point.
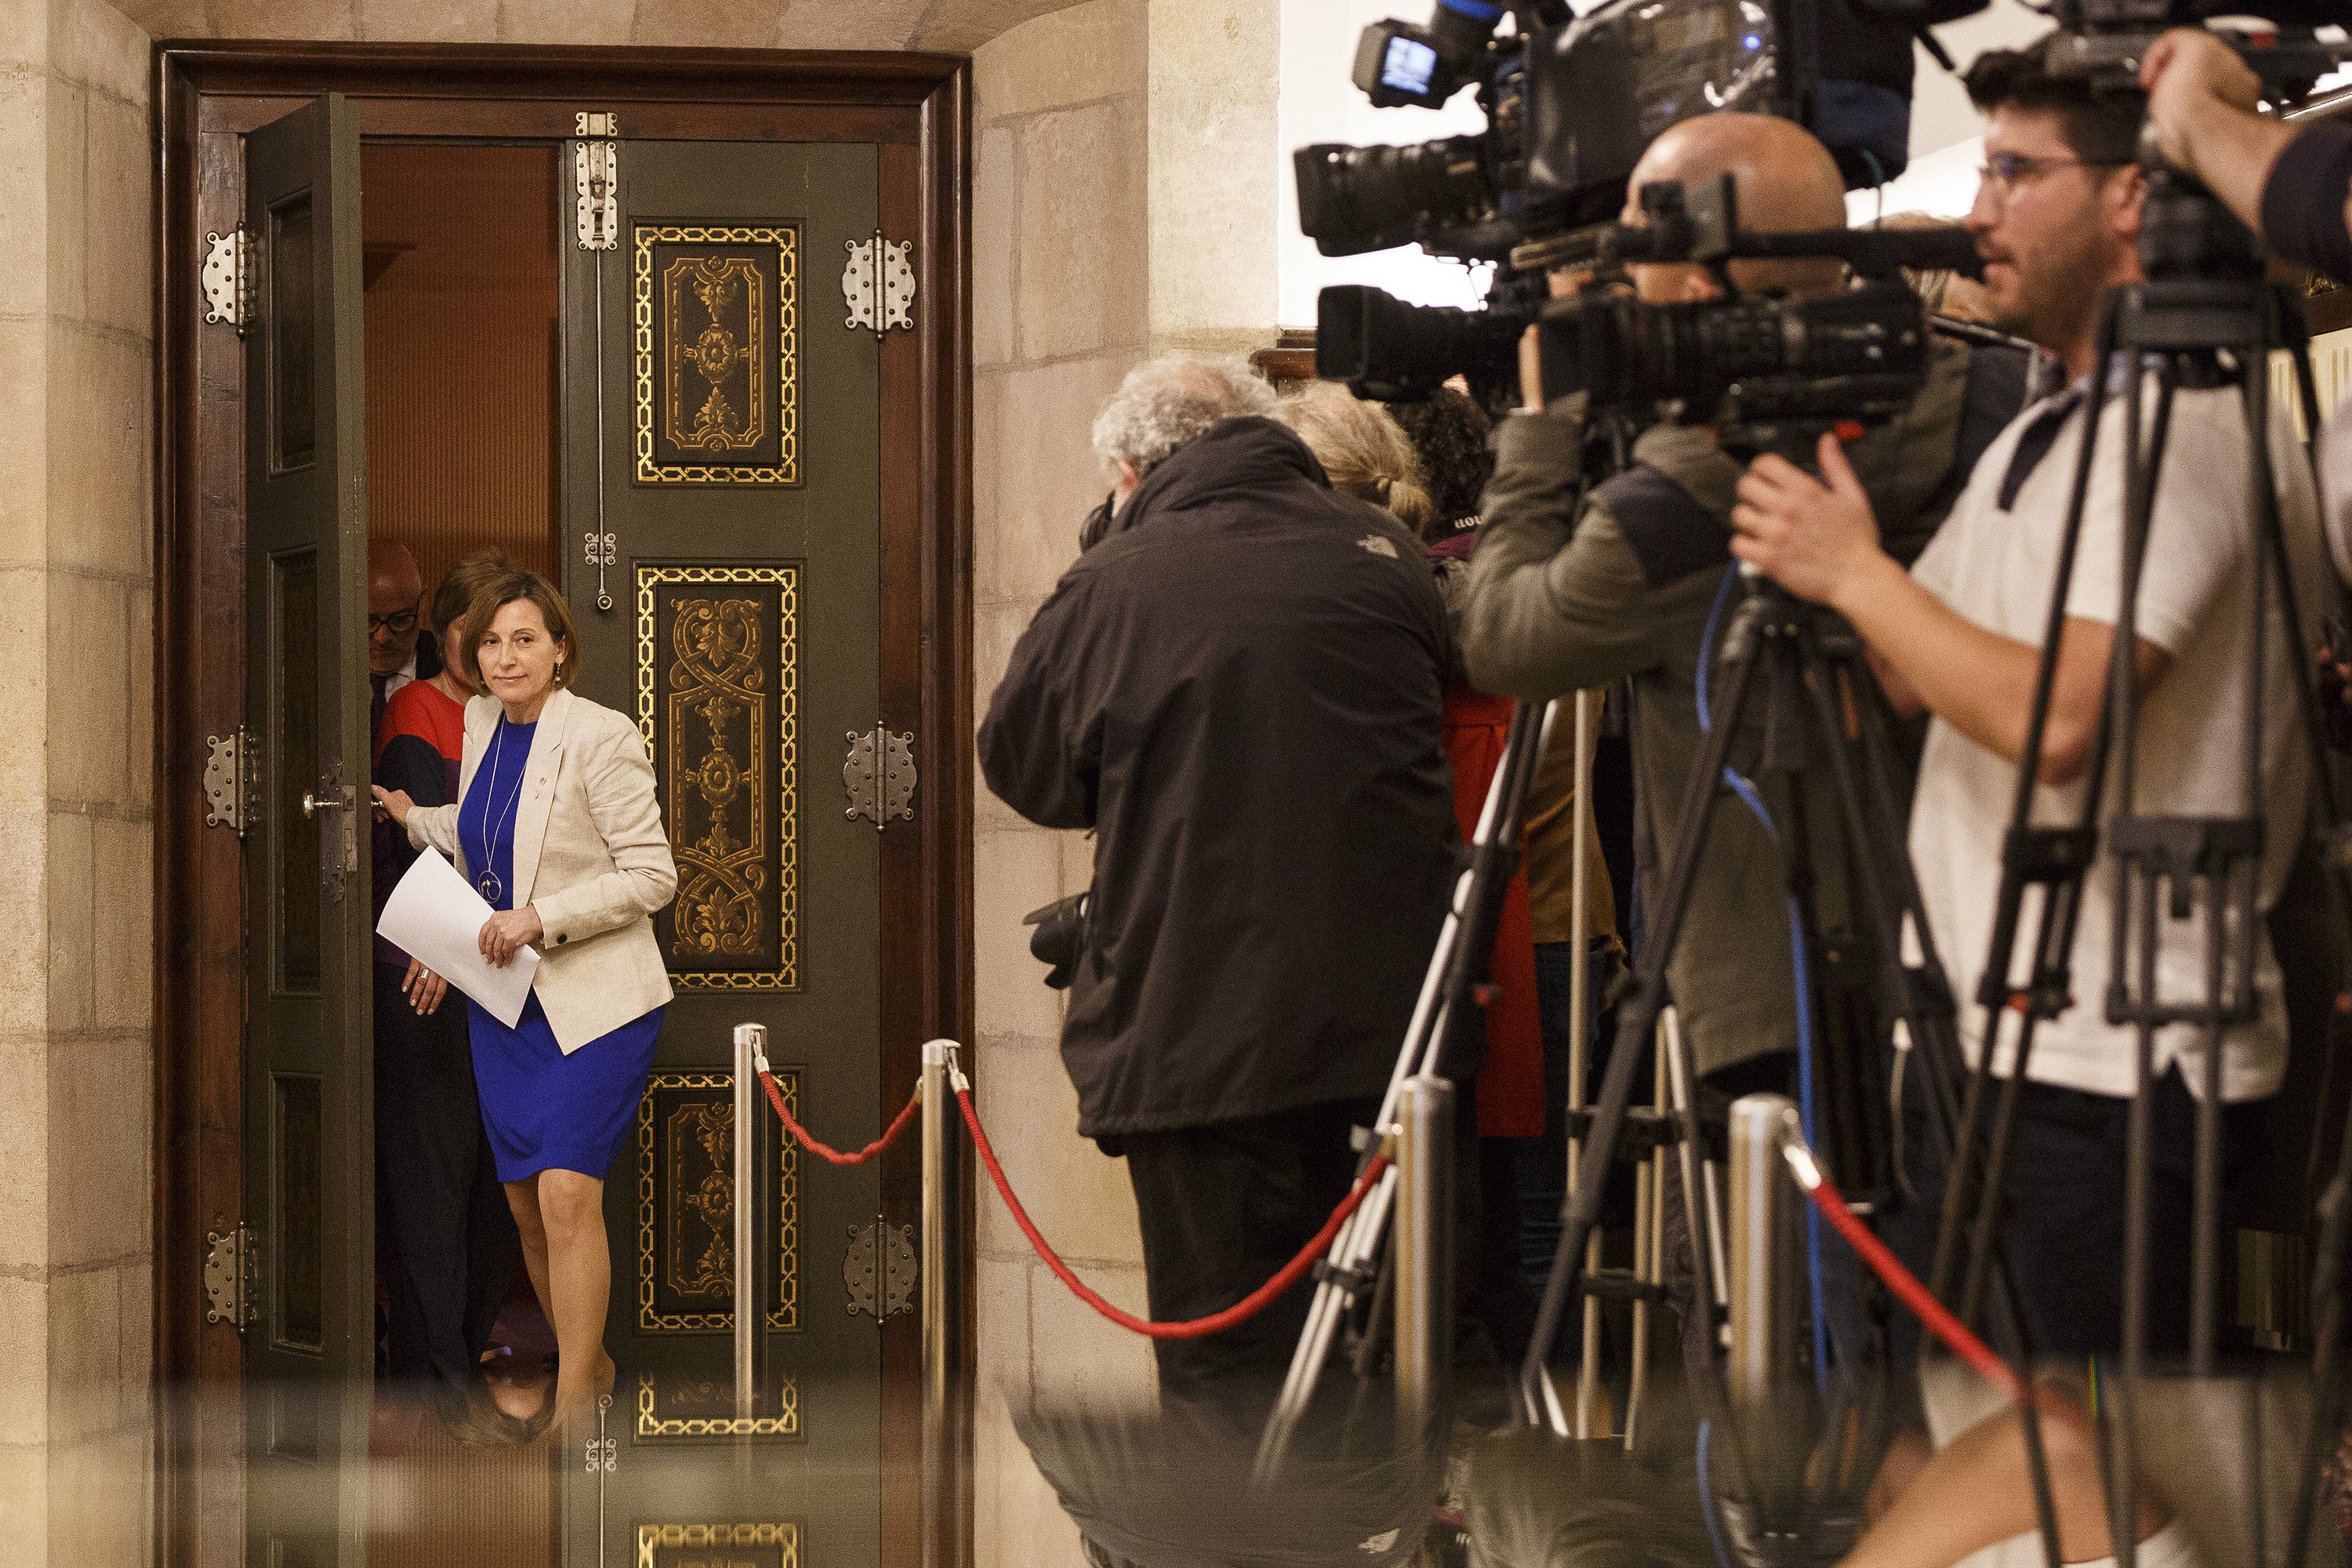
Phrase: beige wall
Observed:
(1123, 205)
(75, 1189)
(1060, 311)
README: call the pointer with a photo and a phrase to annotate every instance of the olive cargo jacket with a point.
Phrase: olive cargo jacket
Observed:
(1557, 598)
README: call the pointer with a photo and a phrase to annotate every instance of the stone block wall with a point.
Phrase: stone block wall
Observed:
(76, 767)
(1061, 310)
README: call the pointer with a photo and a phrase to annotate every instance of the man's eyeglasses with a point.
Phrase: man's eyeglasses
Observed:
(399, 622)
(2004, 172)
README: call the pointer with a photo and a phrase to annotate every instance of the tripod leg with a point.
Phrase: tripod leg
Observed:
(1994, 993)
(1637, 1018)
(1877, 842)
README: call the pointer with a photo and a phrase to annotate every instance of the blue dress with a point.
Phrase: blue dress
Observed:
(543, 1110)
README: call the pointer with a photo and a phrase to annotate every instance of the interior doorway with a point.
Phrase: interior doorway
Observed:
(493, 415)
(462, 284)
(463, 288)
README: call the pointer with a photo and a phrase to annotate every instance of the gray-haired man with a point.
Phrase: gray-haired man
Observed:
(1238, 686)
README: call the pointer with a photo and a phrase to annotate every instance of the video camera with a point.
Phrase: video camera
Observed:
(2106, 40)
(1767, 373)
(1571, 104)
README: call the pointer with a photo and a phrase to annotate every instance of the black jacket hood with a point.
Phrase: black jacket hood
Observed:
(1238, 455)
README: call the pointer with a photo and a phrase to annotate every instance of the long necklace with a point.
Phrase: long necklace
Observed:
(489, 882)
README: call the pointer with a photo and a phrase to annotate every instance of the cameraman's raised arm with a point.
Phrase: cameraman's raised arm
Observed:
(2292, 186)
(1820, 541)
(1555, 600)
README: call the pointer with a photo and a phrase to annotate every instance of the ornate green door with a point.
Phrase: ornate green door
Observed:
(308, 1249)
(720, 462)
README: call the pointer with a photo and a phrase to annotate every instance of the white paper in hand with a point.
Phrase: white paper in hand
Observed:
(435, 917)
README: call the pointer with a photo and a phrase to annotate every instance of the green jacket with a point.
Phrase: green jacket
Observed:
(1555, 600)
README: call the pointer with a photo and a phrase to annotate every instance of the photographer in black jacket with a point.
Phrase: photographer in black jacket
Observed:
(1238, 687)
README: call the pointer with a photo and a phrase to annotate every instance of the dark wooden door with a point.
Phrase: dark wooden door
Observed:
(736, 474)
(308, 1146)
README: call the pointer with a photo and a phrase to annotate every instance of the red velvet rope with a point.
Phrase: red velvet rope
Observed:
(830, 1156)
(1248, 1307)
(1905, 1285)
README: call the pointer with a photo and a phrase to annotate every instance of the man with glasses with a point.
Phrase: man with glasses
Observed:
(2057, 219)
(399, 648)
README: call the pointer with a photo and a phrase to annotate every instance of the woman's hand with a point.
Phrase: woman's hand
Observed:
(505, 932)
(393, 803)
(423, 989)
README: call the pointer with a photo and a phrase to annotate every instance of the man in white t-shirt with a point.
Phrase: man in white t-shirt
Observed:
(2057, 220)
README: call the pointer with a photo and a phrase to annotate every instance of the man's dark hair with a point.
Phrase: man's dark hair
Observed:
(1449, 430)
(2102, 128)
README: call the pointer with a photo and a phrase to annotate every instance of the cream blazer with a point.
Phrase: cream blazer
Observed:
(589, 851)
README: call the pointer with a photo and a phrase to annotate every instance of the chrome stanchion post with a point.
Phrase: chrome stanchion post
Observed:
(941, 1078)
(1424, 1254)
(750, 1061)
(1764, 1266)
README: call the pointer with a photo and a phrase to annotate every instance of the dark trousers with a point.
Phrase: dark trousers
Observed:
(2063, 1217)
(448, 1236)
(1221, 1208)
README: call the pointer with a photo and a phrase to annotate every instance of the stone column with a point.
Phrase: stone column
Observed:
(1123, 205)
(76, 763)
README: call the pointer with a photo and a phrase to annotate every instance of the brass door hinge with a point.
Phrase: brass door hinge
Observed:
(880, 1269)
(232, 774)
(228, 275)
(878, 284)
(232, 1285)
(879, 776)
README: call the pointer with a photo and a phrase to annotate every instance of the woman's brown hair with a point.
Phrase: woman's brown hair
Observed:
(462, 581)
(512, 588)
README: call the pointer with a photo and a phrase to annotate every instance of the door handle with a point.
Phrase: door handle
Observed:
(312, 804)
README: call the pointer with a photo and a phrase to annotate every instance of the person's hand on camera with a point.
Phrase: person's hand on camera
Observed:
(2189, 75)
(505, 933)
(422, 988)
(1817, 538)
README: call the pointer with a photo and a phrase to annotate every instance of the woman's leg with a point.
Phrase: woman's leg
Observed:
(580, 1271)
(522, 1197)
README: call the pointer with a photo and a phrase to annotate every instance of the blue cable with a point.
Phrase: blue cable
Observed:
(1706, 1503)
(1754, 799)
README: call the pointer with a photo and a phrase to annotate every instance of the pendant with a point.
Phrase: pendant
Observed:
(490, 886)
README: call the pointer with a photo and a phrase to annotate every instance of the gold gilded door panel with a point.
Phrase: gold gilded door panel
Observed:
(737, 474)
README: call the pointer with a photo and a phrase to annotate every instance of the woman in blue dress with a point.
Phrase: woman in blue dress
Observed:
(558, 827)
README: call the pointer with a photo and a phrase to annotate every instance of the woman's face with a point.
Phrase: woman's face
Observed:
(518, 653)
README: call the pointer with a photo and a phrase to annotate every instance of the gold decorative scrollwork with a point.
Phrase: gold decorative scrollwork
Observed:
(663, 1406)
(685, 1205)
(779, 1544)
(712, 407)
(717, 701)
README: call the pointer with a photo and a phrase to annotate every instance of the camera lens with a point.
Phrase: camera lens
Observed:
(1354, 199)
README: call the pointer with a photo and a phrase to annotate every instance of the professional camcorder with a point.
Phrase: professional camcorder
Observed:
(1769, 372)
(2298, 42)
(1571, 104)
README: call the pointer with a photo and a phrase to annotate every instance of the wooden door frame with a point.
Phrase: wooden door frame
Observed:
(918, 109)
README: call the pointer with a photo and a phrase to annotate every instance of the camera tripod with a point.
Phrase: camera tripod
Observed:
(1822, 714)
(1448, 1002)
(2206, 318)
